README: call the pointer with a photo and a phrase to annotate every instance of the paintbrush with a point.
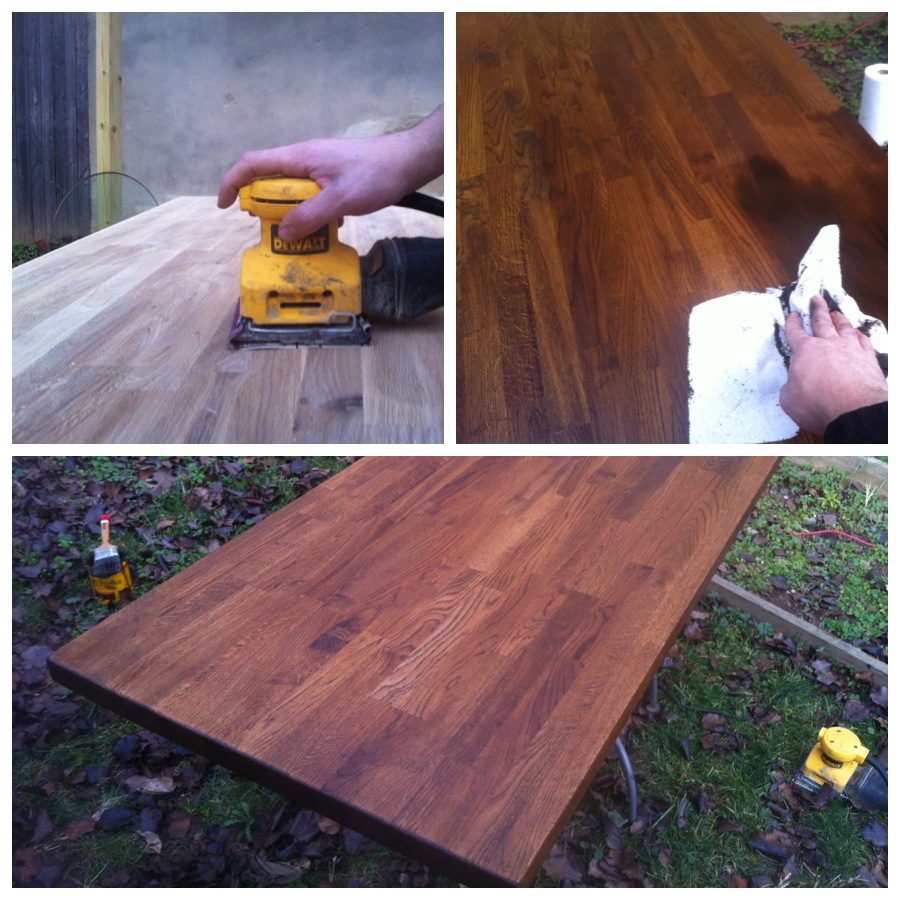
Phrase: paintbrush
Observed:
(109, 570)
(105, 562)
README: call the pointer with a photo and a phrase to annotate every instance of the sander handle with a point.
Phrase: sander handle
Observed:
(423, 203)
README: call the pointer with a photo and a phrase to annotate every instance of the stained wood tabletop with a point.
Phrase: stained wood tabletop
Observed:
(122, 337)
(437, 652)
(613, 171)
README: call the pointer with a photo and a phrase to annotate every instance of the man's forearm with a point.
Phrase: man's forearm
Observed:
(426, 156)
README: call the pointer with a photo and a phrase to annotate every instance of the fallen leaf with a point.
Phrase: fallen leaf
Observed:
(328, 826)
(775, 843)
(125, 747)
(561, 868)
(43, 827)
(693, 632)
(179, 826)
(613, 835)
(321, 846)
(814, 858)
(115, 818)
(856, 711)
(153, 842)
(164, 785)
(880, 697)
(874, 875)
(713, 721)
(764, 663)
(352, 840)
(297, 466)
(595, 868)
(117, 879)
(279, 873)
(77, 828)
(728, 826)
(700, 799)
(875, 833)
(779, 642)
(149, 817)
(304, 826)
(36, 656)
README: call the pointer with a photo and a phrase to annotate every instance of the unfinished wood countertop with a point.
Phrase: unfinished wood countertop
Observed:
(122, 337)
(613, 171)
(437, 652)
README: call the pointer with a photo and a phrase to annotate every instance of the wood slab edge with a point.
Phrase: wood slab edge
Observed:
(601, 759)
(272, 778)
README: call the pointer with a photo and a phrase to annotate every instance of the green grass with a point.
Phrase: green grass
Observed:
(198, 509)
(55, 763)
(854, 576)
(23, 253)
(104, 853)
(227, 799)
(732, 670)
(737, 784)
(841, 66)
(177, 510)
(47, 778)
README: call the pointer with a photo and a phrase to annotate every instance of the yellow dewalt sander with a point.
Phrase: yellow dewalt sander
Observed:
(317, 291)
(836, 760)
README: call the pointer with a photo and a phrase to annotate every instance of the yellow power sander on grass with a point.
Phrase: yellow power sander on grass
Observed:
(317, 291)
(836, 760)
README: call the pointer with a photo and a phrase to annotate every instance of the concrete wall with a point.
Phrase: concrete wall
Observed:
(198, 89)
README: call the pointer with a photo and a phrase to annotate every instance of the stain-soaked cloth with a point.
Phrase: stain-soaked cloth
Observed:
(738, 356)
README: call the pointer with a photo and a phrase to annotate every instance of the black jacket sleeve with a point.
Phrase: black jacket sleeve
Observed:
(868, 425)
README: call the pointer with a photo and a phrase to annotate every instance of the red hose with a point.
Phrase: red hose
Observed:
(844, 38)
(831, 531)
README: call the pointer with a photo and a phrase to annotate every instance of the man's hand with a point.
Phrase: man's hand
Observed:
(356, 175)
(833, 371)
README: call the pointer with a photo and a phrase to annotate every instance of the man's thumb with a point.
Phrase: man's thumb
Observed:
(306, 217)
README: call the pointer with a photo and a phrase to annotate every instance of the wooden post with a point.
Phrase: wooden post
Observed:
(108, 208)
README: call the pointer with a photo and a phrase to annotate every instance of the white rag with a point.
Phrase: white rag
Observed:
(738, 355)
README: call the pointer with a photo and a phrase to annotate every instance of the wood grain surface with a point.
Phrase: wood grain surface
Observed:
(437, 652)
(613, 171)
(123, 337)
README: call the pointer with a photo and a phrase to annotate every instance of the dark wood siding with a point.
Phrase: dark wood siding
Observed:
(51, 121)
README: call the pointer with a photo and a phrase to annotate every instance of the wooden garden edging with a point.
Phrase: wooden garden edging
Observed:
(863, 471)
(794, 627)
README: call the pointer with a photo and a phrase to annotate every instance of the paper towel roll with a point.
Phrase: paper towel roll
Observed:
(873, 108)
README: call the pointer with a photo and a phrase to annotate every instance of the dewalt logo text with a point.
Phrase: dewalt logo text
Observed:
(317, 242)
